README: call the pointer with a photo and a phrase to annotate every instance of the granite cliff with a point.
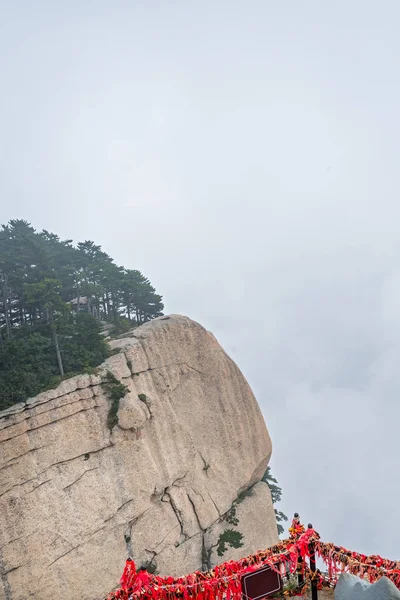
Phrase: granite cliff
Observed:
(89, 475)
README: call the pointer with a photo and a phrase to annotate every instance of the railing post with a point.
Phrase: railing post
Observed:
(313, 569)
(295, 532)
(300, 574)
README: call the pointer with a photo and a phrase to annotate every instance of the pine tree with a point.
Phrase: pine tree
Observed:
(41, 337)
(276, 494)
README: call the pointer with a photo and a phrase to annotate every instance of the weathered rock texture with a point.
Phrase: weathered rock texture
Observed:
(350, 587)
(77, 498)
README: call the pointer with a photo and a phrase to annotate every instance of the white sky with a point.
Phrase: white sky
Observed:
(244, 156)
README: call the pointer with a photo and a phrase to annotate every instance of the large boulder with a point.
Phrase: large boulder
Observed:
(350, 587)
(86, 481)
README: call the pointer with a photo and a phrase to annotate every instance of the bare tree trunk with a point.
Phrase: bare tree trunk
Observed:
(5, 300)
(78, 300)
(114, 307)
(108, 304)
(56, 344)
(96, 308)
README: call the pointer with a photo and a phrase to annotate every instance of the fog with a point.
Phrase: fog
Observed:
(244, 156)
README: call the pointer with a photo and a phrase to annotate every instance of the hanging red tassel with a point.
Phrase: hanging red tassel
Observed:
(128, 574)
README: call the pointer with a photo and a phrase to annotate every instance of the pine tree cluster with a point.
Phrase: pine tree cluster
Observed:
(54, 299)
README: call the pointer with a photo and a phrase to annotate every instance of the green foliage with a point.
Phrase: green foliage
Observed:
(243, 495)
(28, 363)
(43, 335)
(276, 494)
(231, 538)
(231, 516)
(150, 567)
(290, 585)
(117, 391)
(142, 397)
(120, 326)
(83, 346)
(272, 483)
(112, 417)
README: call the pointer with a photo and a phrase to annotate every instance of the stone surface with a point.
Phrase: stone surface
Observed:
(350, 587)
(255, 508)
(76, 498)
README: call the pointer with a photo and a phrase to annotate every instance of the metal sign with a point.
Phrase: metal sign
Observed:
(260, 584)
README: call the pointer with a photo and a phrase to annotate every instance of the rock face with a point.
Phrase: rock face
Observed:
(350, 587)
(86, 481)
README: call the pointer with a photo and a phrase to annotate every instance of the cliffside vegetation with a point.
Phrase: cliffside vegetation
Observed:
(233, 537)
(54, 299)
(276, 494)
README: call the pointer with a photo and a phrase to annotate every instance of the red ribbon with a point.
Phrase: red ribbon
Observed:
(226, 578)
